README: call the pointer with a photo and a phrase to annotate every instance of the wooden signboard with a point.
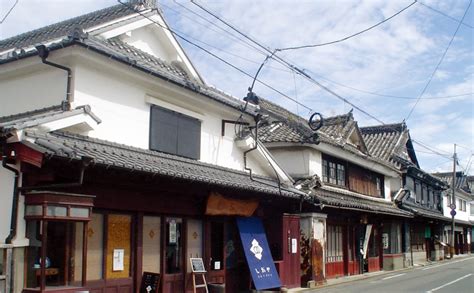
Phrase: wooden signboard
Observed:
(150, 283)
(197, 265)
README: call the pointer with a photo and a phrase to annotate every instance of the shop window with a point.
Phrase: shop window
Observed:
(62, 244)
(174, 246)
(151, 244)
(392, 238)
(56, 232)
(334, 246)
(174, 133)
(118, 246)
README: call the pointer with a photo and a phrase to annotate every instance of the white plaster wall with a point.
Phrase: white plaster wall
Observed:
(315, 163)
(122, 102)
(41, 88)
(6, 198)
(293, 160)
(460, 215)
(147, 39)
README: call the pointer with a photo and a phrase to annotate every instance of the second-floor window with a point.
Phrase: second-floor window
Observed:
(174, 133)
(334, 172)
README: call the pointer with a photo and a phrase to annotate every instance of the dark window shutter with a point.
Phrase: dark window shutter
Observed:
(189, 137)
(174, 133)
(163, 130)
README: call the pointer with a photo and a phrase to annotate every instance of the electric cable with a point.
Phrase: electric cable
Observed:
(9, 11)
(215, 56)
(444, 14)
(439, 63)
(294, 68)
(348, 37)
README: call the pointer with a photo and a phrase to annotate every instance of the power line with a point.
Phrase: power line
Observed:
(214, 55)
(439, 63)
(289, 65)
(224, 30)
(268, 50)
(444, 14)
(432, 149)
(9, 11)
(295, 69)
(212, 46)
(348, 37)
(301, 72)
(389, 96)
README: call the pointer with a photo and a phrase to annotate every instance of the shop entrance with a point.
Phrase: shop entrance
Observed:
(173, 277)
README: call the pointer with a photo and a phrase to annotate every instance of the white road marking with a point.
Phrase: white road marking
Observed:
(447, 284)
(451, 262)
(394, 276)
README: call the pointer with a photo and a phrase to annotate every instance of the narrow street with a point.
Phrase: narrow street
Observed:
(456, 276)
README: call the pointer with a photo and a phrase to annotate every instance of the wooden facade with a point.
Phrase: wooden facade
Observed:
(140, 224)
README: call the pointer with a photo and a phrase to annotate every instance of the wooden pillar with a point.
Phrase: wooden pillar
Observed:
(139, 251)
(44, 237)
(84, 253)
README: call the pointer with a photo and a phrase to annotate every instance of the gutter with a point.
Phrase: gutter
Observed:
(14, 215)
(43, 53)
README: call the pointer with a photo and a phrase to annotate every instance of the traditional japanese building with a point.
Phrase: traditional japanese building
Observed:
(463, 198)
(419, 194)
(353, 225)
(119, 160)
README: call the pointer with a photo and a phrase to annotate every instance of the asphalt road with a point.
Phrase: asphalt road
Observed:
(455, 276)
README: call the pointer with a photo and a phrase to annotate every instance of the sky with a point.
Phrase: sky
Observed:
(382, 71)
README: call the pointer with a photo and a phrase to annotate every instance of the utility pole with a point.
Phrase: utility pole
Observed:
(453, 203)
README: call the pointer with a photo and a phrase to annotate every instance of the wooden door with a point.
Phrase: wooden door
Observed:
(173, 256)
(290, 274)
(215, 251)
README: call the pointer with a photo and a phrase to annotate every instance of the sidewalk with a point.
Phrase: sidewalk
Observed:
(347, 279)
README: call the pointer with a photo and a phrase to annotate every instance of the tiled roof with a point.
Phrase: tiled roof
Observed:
(119, 51)
(462, 181)
(142, 57)
(37, 117)
(63, 28)
(423, 212)
(341, 200)
(385, 140)
(294, 128)
(108, 154)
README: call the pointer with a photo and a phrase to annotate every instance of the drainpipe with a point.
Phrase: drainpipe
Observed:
(14, 215)
(43, 53)
(257, 118)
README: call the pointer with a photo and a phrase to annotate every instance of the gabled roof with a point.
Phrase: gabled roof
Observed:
(462, 181)
(391, 143)
(63, 28)
(289, 127)
(34, 118)
(108, 154)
